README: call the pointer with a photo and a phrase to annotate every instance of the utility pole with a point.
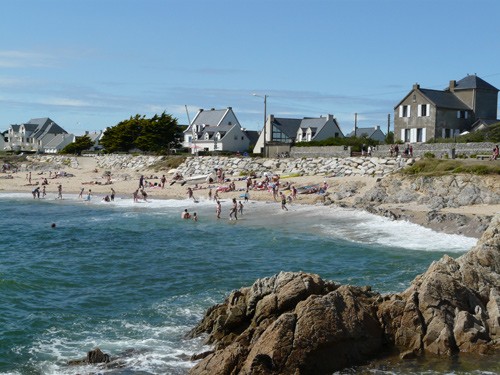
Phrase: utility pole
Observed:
(355, 124)
(388, 123)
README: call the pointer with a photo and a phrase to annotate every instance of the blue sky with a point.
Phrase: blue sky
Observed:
(89, 64)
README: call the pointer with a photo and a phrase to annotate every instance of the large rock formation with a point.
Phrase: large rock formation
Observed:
(297, 323)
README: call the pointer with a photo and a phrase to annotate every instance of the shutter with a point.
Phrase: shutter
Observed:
(400, 111)
(466, 114)
(409, 111)
(419, 110)
(403, 135)
(424, 135)
(413, 135)
(443, 133)
(428, 112)
(458, 114)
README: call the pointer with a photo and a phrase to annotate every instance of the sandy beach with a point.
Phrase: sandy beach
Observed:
(125, 181)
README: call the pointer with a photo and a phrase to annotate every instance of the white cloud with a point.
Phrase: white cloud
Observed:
(24, 59)
(65, 102)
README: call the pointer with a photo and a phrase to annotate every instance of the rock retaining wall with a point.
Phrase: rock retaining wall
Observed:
(338, 167)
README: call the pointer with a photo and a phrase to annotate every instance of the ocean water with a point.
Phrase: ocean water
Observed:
(133, 279)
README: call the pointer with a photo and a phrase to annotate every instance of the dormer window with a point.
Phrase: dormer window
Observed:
(207, 136)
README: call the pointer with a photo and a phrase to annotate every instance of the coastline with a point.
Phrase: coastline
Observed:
(347, 191)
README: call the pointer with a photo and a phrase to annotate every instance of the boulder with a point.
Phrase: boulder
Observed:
(297, 323)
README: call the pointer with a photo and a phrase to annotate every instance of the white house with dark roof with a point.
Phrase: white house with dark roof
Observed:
(424, 114)
(216, 130)
(291, 130)
(33, 135)
(373, 133)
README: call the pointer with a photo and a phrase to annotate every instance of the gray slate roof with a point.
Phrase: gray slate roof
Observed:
(38, 127)
(444, 99)
(288, 126)
(360, 131)
(473, 82)
(253, 136)
(212, 130)
(60, 141)
(212, 117)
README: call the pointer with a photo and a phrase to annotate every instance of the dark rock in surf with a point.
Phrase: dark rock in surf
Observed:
(297, 323)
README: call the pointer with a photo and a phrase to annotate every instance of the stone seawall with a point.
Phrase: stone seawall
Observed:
(321, 166)
(109, 162)
(440, 150)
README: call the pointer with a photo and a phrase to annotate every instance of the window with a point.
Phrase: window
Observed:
(462, 114)
(407, 135)
(419, 134)
(404, 111)
(424, 110)
(337, 135)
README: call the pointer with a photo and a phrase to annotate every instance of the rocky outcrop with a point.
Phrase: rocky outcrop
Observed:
(297, 323)
(94, 356)
(436, 195)
(436, 192)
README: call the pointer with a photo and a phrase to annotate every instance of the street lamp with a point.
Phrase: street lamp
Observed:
(265, 115)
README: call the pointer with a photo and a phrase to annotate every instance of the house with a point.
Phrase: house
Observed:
(215, 130)
(372, 133)
(33, 135)
(483, 124)
(425, 114)
(57, 143)
(290, 130)
(96, 138)
(3, 137)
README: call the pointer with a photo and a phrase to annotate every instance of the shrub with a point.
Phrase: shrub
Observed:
(429, 155)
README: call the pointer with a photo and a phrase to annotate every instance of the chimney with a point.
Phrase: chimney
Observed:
(200, 110)
(453, 84)
(378, 127)
(416, 86)
(329, 117)
(212, 109)
(86, 132)
(230, 108)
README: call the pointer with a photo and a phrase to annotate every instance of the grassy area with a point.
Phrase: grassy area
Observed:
(440, 167)
(169, 162)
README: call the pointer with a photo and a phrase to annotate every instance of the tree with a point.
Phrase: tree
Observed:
(158, 133)
(80, 144)
(389, 138)
(149, 135)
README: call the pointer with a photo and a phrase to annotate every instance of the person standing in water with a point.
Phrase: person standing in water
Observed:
(218, 209)
(59, 192)
(234, 210)
(283, 201)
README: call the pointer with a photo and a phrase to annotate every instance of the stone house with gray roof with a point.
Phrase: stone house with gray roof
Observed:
(34, 135)
(425, 114)
(216, 130)
(281, 130)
